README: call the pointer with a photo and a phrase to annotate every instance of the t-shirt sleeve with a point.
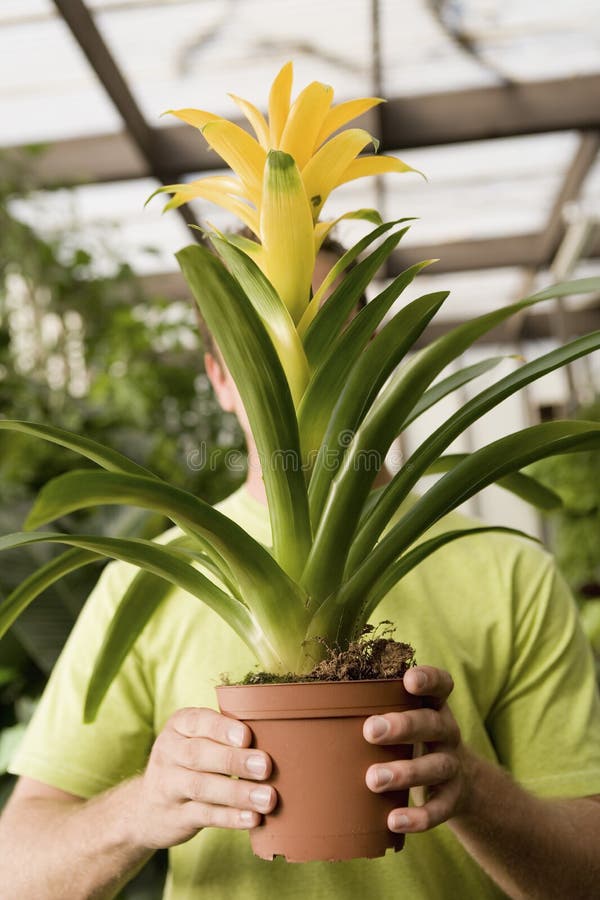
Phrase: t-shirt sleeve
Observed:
(545, 724)
(58, 748)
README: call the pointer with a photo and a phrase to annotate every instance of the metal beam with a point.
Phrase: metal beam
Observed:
(427, 120)
(83, 27)
(490, 112)
(458, 256)
(581, 164)
(96, 159)
(525, 250)
(554, 237)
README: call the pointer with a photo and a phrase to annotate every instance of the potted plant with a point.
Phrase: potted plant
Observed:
(325, 399)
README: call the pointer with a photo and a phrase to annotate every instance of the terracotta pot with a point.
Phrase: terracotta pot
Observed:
(313, 734)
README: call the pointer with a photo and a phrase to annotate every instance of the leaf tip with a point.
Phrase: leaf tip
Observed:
(32, 521)
(90, 711)
(153, 194)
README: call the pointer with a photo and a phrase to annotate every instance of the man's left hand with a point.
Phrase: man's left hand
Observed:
(445, 770)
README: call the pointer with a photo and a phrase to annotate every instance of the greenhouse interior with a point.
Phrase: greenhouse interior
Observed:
(493, 109)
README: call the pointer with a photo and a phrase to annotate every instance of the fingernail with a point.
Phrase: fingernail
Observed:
(256, 765)
(247, 817)
(235, 735)
(421, 679)
(377, 727)
(383, 776)
(260, 797)
(399, 822)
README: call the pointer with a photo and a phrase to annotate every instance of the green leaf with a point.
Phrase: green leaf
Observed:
(274, 599)
(158, 559)
(353, 616)
(367, 450)
(256, 370)
(366, 214)
(19, 599)
(478, 470)
(195, 548)
(569, 288)
(98, 453)
(363, 384)
(137, 606)
(330, 378)
(436, 443)
(350, 488)
(329, 320)
(518, 483)
(104, 456)
(340, 267)
(447, 385)
(272, 311)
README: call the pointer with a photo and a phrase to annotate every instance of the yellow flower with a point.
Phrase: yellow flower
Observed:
(284, 174)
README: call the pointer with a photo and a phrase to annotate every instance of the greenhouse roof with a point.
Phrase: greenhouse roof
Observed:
(498, 103)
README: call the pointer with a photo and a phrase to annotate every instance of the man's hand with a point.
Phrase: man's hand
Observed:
(445, 770)
(187, 784)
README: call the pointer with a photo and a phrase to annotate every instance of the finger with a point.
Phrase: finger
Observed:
(203, 755)
(434, 768)
(221, 790)
(408, 727)
(204, 815)
(199, 722)
(427, 681)
(438, 809)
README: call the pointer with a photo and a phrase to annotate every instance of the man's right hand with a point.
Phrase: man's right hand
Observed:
(188, 786)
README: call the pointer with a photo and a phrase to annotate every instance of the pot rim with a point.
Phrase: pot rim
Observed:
(315, 699)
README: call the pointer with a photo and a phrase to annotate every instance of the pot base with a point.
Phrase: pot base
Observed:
(313, 848)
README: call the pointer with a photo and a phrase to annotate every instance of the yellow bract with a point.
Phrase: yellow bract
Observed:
(280, 199)
(286, 229)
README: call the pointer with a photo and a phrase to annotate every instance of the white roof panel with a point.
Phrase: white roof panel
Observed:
(478, 42)
(47, 89)
(191, 52)
(110, 221)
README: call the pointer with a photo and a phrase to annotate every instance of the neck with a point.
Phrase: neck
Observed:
(254, 481)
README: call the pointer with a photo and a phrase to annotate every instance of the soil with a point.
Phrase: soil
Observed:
(374, 655)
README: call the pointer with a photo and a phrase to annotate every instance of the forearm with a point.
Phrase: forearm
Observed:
(533, 849)
(51, 849)
(54, 845)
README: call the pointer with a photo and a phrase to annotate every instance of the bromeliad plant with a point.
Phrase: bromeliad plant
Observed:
(325, 399)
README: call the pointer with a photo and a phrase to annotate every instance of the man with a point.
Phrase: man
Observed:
(94, 802)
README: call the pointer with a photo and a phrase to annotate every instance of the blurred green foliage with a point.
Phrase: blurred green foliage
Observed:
(91, 353)
(575, 529)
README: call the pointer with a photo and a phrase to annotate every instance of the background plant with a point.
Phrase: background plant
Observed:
(574, 529)
(98, 356)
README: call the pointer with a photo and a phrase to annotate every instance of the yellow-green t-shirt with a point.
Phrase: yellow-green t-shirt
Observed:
(490, 609)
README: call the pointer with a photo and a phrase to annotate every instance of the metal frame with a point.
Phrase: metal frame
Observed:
(145, 139)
